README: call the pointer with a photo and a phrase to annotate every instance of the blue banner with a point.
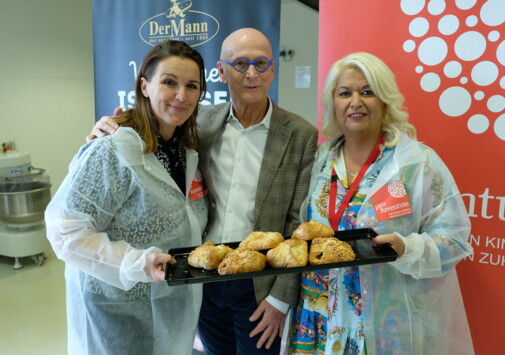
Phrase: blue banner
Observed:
(125, 30)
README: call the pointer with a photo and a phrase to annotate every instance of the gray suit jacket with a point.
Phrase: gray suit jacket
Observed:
(283, 182)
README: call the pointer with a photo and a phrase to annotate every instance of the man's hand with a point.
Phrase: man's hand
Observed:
(104, 126)
(271, 324)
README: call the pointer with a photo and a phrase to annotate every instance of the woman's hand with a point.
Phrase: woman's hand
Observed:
(155, 265)
(396, 242)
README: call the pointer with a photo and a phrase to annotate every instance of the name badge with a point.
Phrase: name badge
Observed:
(391, 201)
(197, 190)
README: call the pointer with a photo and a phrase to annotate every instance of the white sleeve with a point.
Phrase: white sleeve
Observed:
(82, 207)
(278, 304)
(442, 240)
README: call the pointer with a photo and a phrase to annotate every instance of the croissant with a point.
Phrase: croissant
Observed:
(290, 253)
(208, 255)
(330, 250)
(311, 230)
(242, 260)
(261, 240)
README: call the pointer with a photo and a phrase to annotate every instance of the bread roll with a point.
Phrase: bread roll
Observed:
(208, 255)
(311, 230)
(330, 250)
(262, 240)
(242, 260)
(289, 253)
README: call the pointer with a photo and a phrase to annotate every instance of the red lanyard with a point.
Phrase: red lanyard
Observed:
(335, 216)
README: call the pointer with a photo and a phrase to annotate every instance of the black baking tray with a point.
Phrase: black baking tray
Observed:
(366, 252)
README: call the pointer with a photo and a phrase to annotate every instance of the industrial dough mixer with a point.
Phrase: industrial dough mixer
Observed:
(24, 195)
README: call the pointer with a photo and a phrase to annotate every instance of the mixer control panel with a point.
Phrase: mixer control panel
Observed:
(7, 145)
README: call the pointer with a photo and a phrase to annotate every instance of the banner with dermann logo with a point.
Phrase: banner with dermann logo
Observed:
(125, 30)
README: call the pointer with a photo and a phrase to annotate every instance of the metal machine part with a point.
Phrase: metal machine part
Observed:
(24, 195)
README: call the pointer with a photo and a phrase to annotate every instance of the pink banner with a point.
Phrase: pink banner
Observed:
(449, 60)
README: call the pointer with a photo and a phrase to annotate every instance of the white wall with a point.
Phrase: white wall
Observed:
(299, 32)
(46, 75)
(46, 79)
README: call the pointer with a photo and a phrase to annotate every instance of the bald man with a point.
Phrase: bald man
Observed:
(256, 160)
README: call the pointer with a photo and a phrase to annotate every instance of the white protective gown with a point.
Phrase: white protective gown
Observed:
(416, 300)
(115, 206)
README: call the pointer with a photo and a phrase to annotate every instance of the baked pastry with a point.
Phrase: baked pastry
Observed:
(262, 240)
(311, 230)
(330, 250)
(289, 253)
(242, 260)
(208, 255)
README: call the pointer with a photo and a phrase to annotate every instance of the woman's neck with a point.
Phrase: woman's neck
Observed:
(356, 151)
(166, 132)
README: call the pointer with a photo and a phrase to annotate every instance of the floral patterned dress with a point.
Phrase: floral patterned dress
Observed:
(328, 317)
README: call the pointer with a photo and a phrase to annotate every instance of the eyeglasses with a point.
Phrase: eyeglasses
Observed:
(241, 64)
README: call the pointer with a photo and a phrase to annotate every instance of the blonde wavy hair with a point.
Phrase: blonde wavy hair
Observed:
(382, 82)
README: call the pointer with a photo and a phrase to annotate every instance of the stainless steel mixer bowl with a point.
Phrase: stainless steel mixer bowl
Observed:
(24, 202)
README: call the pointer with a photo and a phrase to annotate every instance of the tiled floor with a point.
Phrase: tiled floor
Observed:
(32, 307)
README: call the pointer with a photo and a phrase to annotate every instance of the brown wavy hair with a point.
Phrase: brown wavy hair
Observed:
(141, 117)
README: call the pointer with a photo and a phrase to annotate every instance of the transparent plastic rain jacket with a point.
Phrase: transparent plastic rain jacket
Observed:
(416, 300)
(115, 206)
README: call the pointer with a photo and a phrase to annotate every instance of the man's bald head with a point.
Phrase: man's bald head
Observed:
(248, 89)
(245, 39)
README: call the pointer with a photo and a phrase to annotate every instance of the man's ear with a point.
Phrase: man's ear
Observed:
(222, 74)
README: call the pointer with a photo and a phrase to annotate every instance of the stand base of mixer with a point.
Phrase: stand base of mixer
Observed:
(20, 243)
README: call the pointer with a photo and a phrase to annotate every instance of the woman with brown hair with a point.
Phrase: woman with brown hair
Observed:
(127, 199)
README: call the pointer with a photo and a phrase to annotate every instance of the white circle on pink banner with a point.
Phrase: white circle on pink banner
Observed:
(499, 127)
(466, 53)
(493, 36)
(396, 189)
(500, 53)
(455, 101)
(436, 7)
(492, 12)
(478, 124)
(496, 103)
(432, 51)
(471, 21)
(448, 24)
(430, 82)
(452, 69)
(479, 95)
(412, 7)
(419, 27)
(485, 73)
(465, 4)
(470, 46)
